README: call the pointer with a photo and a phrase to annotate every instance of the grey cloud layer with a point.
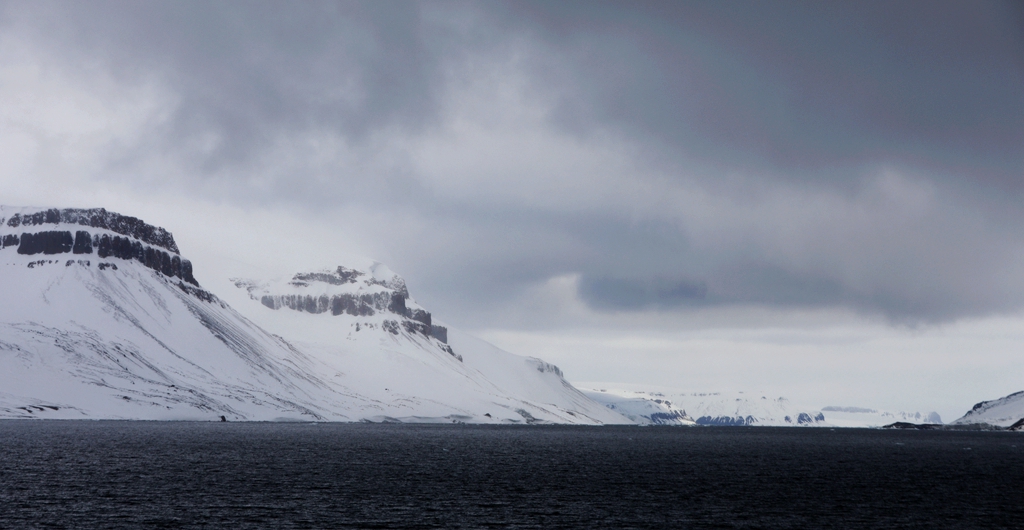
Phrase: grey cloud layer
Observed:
(794, 84)
(866, 155)
(246, 72)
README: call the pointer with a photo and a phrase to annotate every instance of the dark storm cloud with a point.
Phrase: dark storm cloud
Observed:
(800, 87)
(749, 103)
(624, 294)
(814, 93)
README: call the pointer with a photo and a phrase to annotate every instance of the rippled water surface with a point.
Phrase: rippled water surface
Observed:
(88, 474)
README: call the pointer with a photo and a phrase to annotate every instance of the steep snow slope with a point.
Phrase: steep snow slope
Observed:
(1004, 412)
(102, 318)
(702, 408)
(379, 342)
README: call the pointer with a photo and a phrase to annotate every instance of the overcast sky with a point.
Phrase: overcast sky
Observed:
(820, 197)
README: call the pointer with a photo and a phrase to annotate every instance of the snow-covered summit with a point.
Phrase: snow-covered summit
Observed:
(88, 233)
(133, 227)
(369, 291)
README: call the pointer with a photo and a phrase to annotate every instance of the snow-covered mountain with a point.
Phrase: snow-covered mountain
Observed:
(673, 407)
(361, 323)
(103, 318)
(1006, 411)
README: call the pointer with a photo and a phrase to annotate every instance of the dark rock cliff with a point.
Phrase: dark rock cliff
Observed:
(99, 218)
(392, 300)
(440, 333)
(62, 242)
(160, 254)
(732, 421)
(669, 418)
(349, 304)
(46, 243)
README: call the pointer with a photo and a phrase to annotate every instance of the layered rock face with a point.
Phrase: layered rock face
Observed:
(802, 418)
(345, 291)
(113, 235)
(97, 218)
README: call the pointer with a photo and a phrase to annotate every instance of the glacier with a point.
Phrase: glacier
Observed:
(103, 318)
(661, 406)
(842, 416)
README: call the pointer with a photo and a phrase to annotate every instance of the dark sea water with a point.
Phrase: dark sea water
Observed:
(84, 474)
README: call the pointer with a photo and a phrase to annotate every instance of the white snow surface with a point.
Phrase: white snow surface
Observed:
(866, 417)
(660, 406)
(1003, 412)
(672, 406)
(412, 376)
(81, 341)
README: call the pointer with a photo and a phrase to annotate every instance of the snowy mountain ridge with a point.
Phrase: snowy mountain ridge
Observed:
(1007, 411)
(349, 291)
(104, 320)
(362, 323)
(109, 234)
(92, 217)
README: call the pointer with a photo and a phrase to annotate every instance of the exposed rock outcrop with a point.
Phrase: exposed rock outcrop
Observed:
(545, 367)
(726, 420)
(152, 246)
(339, 304)
(345, 291)
(439, 332)
(61, 242)
(46, 243)
(673, 417)
(99, 218)
(805, 419)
